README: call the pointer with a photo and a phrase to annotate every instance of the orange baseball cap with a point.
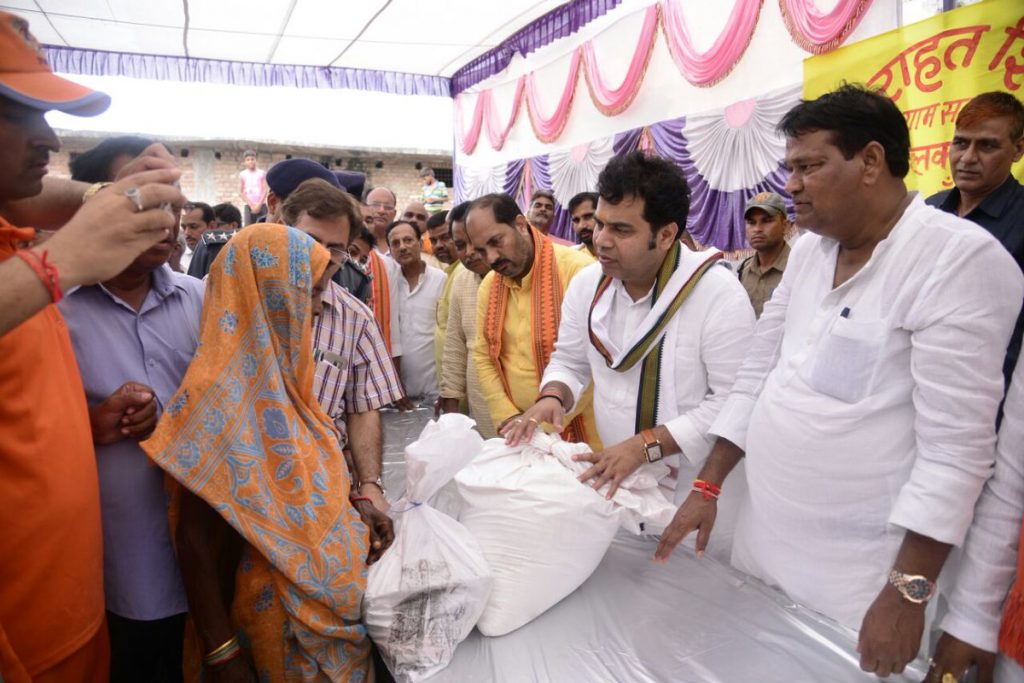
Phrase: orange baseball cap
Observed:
(26, 77)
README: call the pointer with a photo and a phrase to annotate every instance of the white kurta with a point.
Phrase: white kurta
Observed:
(705, 344)
(989, 561)
(418, 317)
(869, 409)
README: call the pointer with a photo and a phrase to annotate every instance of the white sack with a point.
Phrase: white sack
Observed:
(542, 531)
(425, 594)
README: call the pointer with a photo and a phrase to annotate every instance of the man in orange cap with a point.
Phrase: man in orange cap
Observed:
(51, 577)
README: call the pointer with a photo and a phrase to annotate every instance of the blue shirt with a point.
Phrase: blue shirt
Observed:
(115, 344)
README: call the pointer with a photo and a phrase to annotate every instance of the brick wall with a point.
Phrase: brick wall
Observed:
(207, 178)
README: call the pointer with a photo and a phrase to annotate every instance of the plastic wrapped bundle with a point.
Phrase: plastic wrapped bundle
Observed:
(542, 531)
(426, 593)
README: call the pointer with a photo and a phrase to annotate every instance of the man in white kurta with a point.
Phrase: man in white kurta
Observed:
(701, 346)
(866, 405)
(419, 287)
(990, 559)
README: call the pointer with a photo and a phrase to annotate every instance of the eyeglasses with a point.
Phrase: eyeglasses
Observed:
(381, 205)
(339, 255)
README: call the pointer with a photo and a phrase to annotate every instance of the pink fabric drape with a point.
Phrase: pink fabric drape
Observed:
(496, 133)
(614, 101)
(548, 129)
(819, 32)
(813, 30)
(708, 68)
(468, 139)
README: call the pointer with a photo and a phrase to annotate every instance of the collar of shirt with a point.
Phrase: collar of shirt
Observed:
(527, 280)
(780, 263)
(995, 204)
(164, 285)
(623, 296)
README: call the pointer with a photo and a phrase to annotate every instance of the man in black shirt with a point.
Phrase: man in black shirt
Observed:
(988, 140)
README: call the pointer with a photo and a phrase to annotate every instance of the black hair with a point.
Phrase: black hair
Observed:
(248, 153)
(855, 116)
(436, 220)
(657, 181)
(94, 166)
(457, 215)
(228, 213)
(207, 210)
(504, 207)
(394, 224)
(583, 197)
(366, 235)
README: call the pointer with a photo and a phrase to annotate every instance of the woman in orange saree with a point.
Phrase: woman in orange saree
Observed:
(259, 461)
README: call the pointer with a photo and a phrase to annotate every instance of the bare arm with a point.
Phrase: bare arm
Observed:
(364, 433)
(51, 208)
(200, 531)
(110, 219)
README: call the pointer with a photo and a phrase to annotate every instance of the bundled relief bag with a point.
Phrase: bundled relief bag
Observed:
(543, 531)
(425, 594)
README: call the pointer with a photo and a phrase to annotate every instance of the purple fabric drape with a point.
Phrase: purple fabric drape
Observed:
(627, 141)
(561, 226)
(514, 177)
(558, 23)
(193, 70)
(716, 216)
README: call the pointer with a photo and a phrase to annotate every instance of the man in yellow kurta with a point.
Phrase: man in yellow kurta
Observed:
(444, 253)
(518, 311)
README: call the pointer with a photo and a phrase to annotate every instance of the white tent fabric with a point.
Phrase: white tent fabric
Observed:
(408, 36)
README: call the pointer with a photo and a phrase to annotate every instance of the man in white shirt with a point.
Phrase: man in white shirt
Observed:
(867, 401)
(657, 328)
(990, 561)
(419, 287)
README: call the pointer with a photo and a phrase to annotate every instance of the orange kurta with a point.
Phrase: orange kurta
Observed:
(51, 544)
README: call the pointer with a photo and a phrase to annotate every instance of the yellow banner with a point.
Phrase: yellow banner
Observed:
(931, 69)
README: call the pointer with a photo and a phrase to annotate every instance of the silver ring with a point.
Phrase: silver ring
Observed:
(135, 197)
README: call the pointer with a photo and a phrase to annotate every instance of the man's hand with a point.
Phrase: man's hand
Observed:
(129, 412)
(380, 526)
(405, 405)
(613, 465)
(695, 513)
(956, 657)
(154, 157)
(521, 429)
(113, 220)
(890, 635)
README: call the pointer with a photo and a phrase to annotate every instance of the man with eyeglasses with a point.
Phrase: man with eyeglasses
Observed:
(384, 271)
(354, 376)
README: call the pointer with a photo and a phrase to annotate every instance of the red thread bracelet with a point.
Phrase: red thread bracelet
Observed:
(356, 499)
(44, 270)
(707, 489)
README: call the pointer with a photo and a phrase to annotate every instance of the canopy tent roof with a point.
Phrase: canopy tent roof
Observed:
(433, 39)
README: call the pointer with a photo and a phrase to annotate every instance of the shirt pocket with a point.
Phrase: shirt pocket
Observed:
(847, 356)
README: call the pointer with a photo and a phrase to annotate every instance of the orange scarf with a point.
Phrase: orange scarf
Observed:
(545, 314)
(381, 296)
(245, 433)
(1011, 634)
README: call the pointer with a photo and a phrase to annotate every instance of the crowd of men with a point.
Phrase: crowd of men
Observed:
(840, 410)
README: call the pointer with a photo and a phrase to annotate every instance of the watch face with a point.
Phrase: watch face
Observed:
(918, 589)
